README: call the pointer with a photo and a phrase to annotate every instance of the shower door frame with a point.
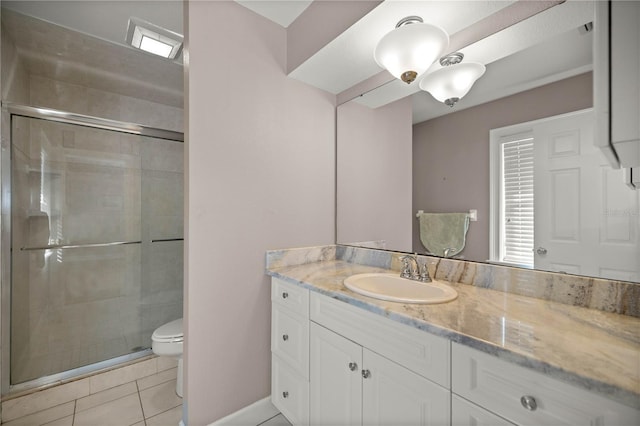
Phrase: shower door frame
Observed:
(9, 110)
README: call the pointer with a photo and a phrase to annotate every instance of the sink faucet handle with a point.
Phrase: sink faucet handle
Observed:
(406, 266)
(424, 271)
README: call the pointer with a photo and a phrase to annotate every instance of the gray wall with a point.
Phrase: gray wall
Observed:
(374, 174)
(260, 153)
(451, 153)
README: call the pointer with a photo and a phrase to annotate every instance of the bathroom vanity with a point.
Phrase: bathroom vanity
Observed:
(487, 358)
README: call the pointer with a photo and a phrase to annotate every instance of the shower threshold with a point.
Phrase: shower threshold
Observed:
(76, 373)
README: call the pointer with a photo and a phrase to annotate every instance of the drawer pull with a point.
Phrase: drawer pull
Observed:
(353, 366)
(285, 337)
(285, 394)
(366, 374)
(285, 294)
(529, 403)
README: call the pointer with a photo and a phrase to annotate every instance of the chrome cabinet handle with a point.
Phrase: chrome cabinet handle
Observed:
(366, 374)
(285, 294)
(285, 337)
(541, 250)
(285, 394)
(353, 366)
(529, 402)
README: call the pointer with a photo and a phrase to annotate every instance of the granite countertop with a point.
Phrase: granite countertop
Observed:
(592, 349)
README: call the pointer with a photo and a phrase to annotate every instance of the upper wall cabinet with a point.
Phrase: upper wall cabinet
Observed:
(617, 81)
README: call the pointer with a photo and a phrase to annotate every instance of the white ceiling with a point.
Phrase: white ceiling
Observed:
(562, 56)
(542, 49)
(280, 12)
(53, 51)
(348, 59)
(106, 20)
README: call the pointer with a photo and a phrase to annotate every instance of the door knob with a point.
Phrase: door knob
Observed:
(353, 366)
(541, 250)
(366, 374)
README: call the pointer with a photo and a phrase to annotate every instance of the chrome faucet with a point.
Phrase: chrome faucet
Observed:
(413, 270)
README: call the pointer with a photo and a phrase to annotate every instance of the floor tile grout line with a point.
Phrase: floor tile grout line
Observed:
(162, 412)
(157, 384)
(144, 417)
(3, 421)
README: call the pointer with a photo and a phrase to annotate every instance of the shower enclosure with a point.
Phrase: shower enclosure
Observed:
(92, 227)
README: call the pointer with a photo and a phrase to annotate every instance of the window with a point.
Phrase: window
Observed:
(512, 194)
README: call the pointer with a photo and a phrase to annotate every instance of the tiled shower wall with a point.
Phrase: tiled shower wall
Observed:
(111, 302)
(48, 92)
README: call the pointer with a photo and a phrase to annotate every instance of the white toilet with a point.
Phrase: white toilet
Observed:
(167, 341)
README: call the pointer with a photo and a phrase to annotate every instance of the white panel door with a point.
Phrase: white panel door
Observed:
(586, 222)
(393, 395)
(335, 379)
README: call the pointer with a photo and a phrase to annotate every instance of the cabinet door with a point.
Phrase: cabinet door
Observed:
(393, 395)
(335, 379)
(464, 413)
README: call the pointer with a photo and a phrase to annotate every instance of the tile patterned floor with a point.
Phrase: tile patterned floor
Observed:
(141, 394)
(148, 401)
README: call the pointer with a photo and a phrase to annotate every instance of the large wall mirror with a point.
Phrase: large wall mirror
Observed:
(400, 151)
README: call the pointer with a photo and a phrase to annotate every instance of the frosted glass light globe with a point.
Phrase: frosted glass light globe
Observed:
(450, 84)
(408, 51)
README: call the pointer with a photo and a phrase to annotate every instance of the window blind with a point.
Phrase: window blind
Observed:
(517, 201)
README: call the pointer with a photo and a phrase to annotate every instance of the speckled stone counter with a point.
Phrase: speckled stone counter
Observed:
(592, 349)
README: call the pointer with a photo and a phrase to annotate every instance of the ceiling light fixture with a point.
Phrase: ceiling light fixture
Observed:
(411, 48)
(151, 38)
(450, 83)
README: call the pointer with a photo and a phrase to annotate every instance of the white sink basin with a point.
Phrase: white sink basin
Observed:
(393, 288)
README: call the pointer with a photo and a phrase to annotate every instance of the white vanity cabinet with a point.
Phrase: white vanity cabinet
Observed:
(526, 397)
(366, 369)
(337, 364)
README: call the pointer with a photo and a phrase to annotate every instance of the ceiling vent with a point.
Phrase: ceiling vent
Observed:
(153, 39)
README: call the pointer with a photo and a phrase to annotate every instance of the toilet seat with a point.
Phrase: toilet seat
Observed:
(169, 333)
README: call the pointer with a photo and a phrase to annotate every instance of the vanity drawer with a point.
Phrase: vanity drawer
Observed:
(291, 296)
(290, 338)
(500, 386)
(289, 392)
(416, 350)
(464, 413)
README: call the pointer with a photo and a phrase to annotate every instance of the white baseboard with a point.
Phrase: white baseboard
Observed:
(251, 415)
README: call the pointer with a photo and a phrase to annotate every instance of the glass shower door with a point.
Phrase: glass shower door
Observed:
(80, 247)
